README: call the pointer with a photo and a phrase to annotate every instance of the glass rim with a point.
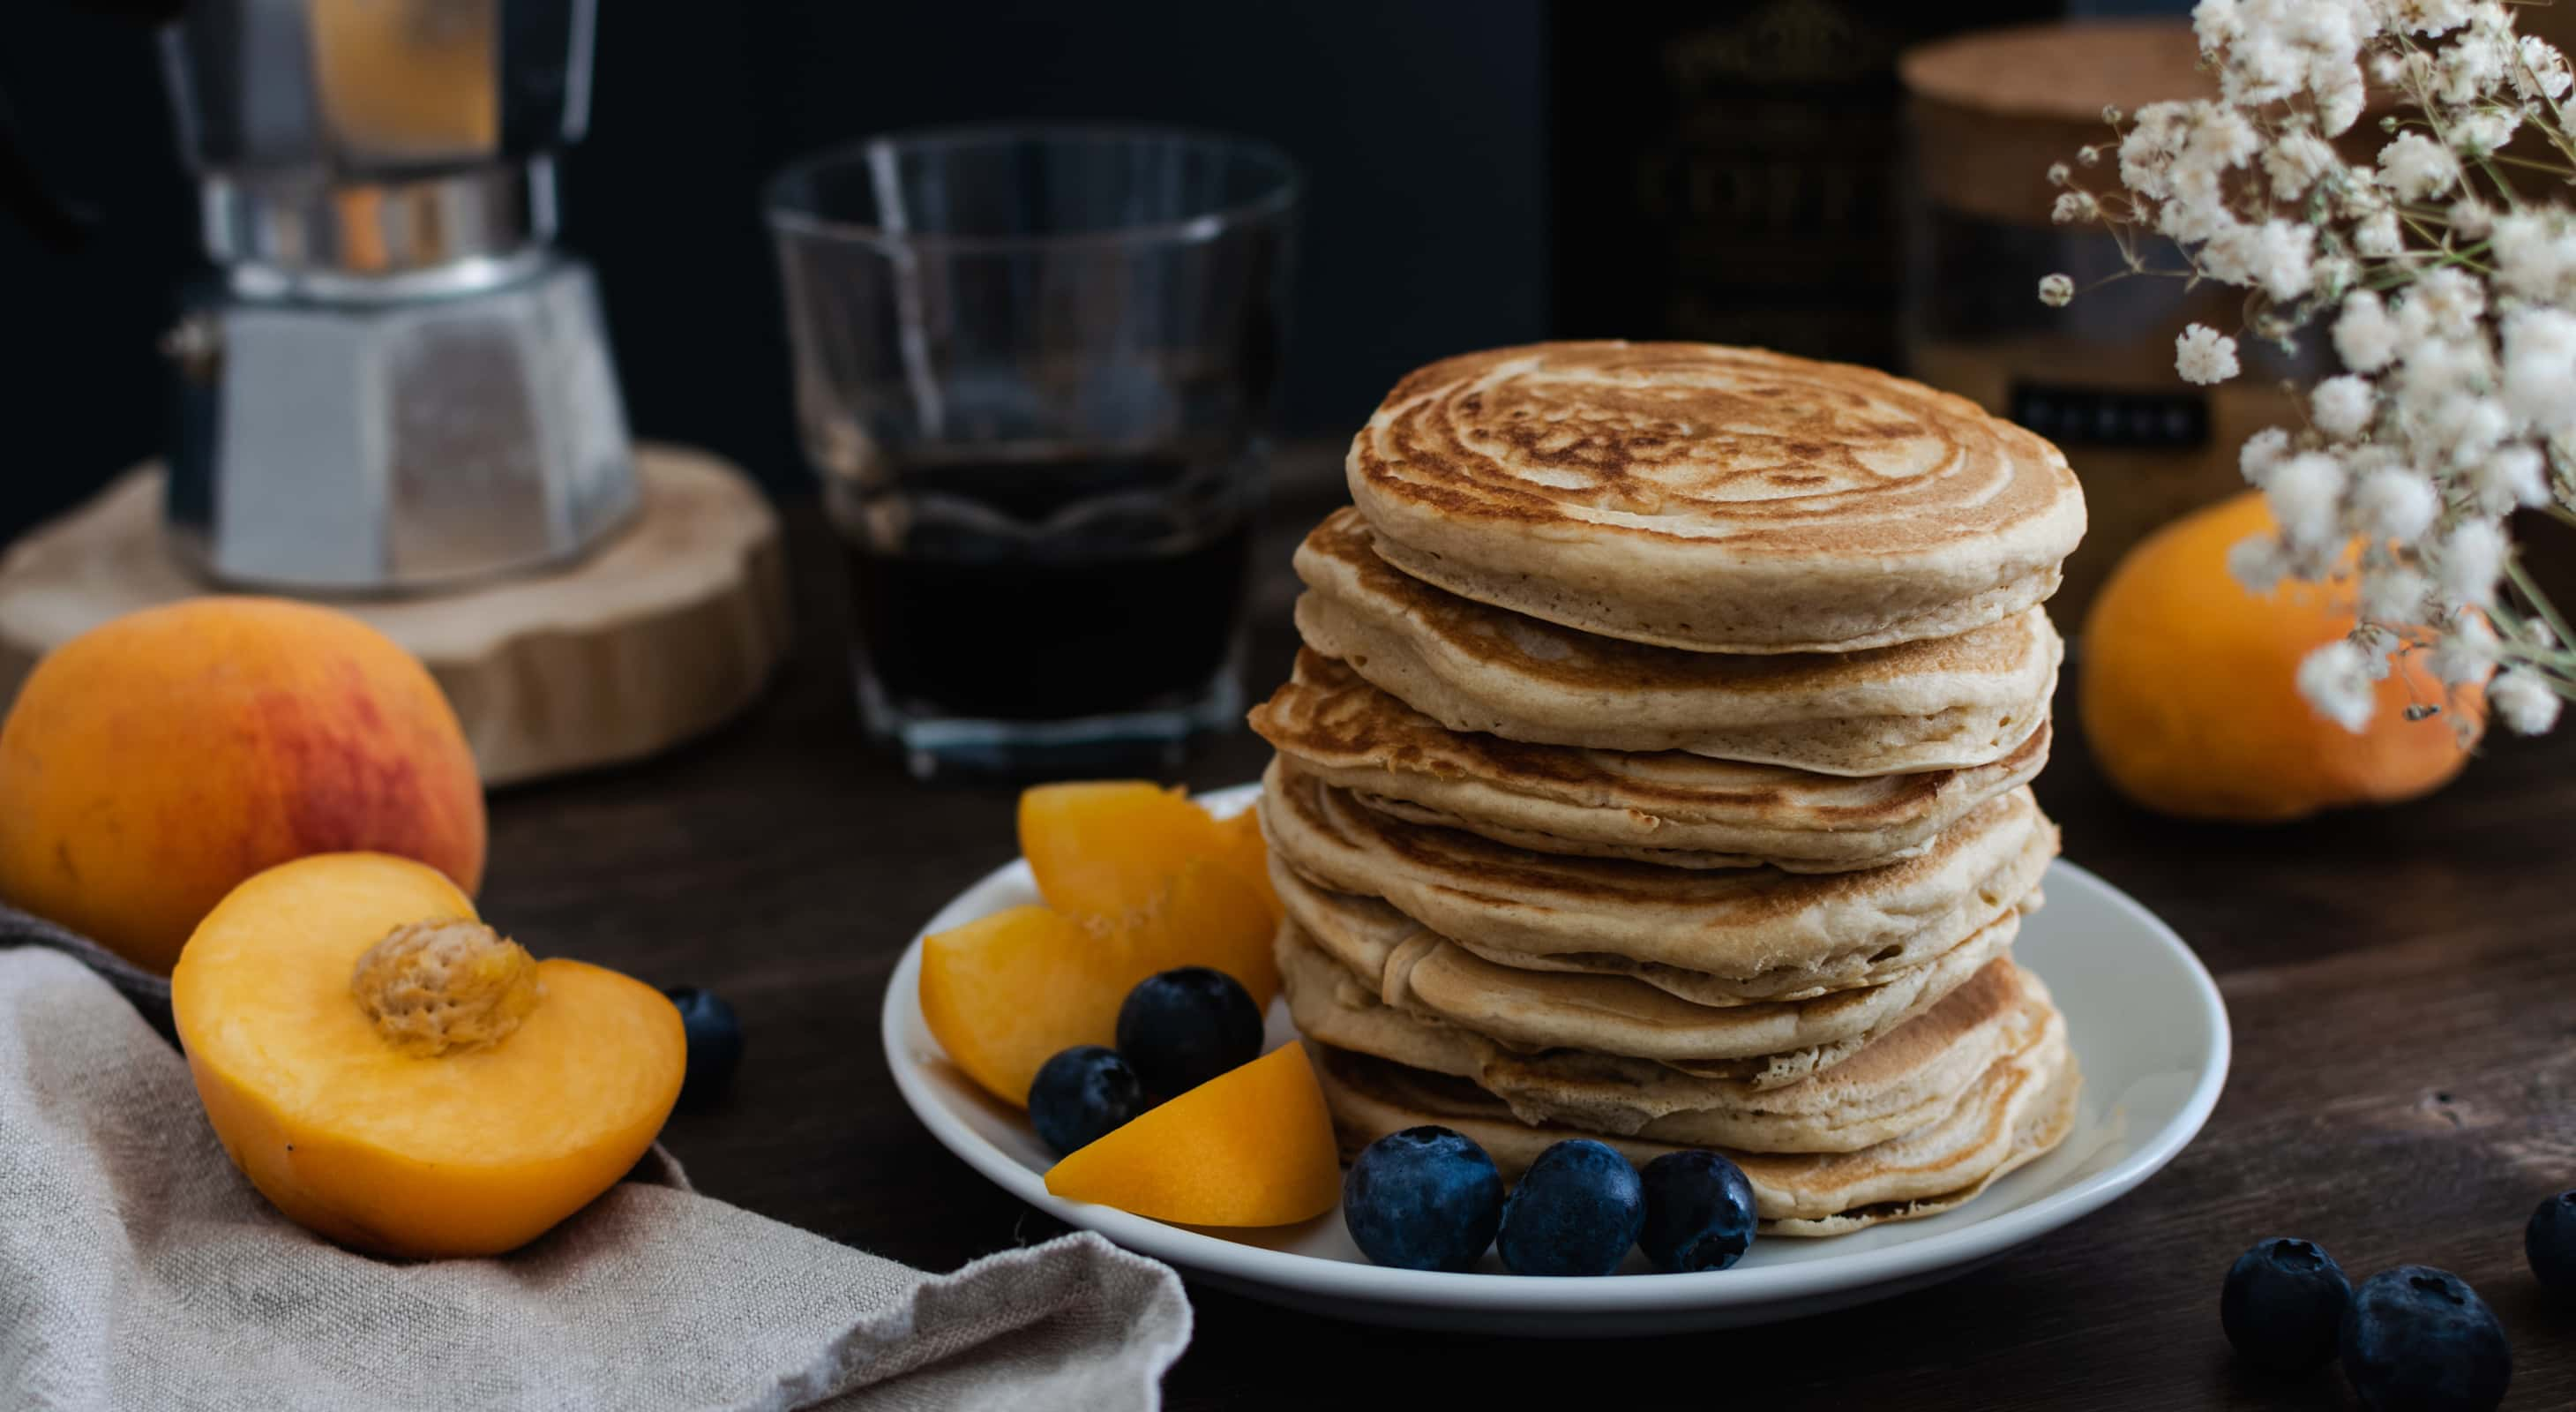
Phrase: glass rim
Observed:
(787, 217)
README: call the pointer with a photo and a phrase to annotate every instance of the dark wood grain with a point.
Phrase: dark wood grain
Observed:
(2402, 984)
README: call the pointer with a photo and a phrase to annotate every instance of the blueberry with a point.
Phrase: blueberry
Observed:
(1576, 1212)
(2549, 1243)
(1423, 1199)
(2283, 1305)
(2419, 1339)
(1185, 1027)
(1699, 1212)
(715, 1043)
(1081, 1095)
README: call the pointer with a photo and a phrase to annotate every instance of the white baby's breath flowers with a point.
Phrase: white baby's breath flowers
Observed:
(2378, 236)
(2523, 699)
(2343, 406)
(2204, 355)
(2259, 563)
(2365, 337)
(2260, 453)
(2306, 492)
(2336, 680)
(2510, 478)
(2394, 505)
(2535, 255)
(2468, 562)
(2416, 167)
(2441, 268)
(2466, 653)
(2296, 161)
(2542, 72)
(2539, 382)
(2396, 595)
(2483, 132)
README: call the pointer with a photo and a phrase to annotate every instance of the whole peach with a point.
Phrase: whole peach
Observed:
(2189, 688)
(157, 760)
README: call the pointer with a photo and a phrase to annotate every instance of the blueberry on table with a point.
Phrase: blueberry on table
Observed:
(1182, 1028)
(2549, 1243)
(1425, 1198)
(1082, 1095)
(1699, 1212)
(2283, 1305)
(2419, 1339)
(1576, 1212)
(715, 1043)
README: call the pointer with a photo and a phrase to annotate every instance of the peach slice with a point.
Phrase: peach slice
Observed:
(1100, 848)
(1243, 849)
(1209, 917)
(1006, 993)
(1249, 1148)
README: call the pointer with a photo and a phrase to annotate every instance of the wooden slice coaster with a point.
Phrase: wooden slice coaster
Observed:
(665, 631)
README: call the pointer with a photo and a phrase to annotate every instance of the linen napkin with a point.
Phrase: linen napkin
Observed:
(138, 1269)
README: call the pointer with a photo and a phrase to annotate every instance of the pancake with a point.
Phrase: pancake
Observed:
(1778, 934)
(1703, 989)
(1431, 978)
(1667, 807)
(1332, 1003)
(1894, 1084)
(1952, 703)
(1714, 499)
(1910, 1077)
(2020, 1110)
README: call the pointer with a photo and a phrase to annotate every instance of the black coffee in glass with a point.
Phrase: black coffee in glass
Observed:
(986, 612)
(1035, 371)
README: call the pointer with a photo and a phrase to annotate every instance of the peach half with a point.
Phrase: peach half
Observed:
(397, 1077)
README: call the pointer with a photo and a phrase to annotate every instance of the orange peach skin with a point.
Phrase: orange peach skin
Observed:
(152, 763)
(2189, 695)
(462, 1154)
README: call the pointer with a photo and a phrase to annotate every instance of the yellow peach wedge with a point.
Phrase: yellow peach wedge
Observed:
(1250, 1148)
(1102, 847)
(398, 1077)
(1005, 993)
(1248, 854)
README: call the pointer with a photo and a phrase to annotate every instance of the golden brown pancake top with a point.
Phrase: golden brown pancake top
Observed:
(1759, 452)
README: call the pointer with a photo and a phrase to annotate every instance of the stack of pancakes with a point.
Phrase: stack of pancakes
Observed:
(1656, 769)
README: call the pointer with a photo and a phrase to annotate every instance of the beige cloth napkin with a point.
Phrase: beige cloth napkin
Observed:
(139, 1270)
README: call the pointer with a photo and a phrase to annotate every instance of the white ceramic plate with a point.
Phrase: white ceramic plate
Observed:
(2147, 1024)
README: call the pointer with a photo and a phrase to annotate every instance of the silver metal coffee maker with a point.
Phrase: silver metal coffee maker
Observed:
(392, 382)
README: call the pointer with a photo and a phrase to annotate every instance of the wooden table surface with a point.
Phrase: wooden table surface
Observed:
(2402, 985)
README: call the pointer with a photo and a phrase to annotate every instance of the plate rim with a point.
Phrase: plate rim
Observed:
(1197, 1250)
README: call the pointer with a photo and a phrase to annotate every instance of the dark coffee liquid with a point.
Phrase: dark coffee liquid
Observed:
(1049, 589)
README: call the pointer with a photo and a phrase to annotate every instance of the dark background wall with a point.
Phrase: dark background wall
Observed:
(1481, 171)
(1420, 125)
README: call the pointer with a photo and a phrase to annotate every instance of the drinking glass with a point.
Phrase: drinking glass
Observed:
(1035, 371)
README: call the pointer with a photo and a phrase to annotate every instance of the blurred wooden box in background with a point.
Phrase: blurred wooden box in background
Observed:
(1987, 114)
